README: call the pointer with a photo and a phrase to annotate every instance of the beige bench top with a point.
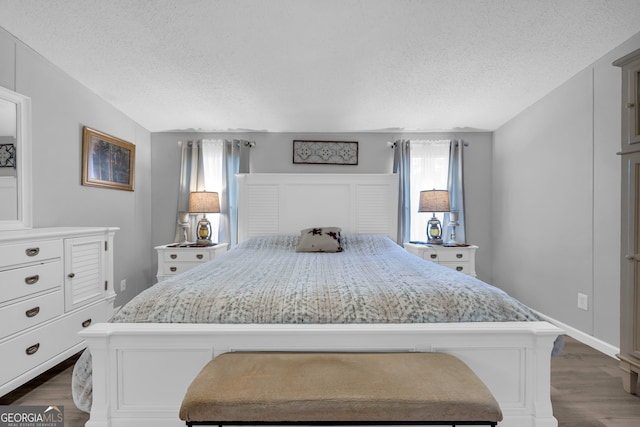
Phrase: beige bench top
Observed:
(338, 387)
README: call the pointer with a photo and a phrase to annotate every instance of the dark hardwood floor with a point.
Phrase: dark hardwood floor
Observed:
(586, 391)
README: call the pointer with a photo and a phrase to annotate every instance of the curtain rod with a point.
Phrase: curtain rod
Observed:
(237, 141)
(394, 144)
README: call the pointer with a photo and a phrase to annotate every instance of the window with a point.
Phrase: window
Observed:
(429, 169)
(212, 158)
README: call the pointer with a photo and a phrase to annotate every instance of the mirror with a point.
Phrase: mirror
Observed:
(15, 160)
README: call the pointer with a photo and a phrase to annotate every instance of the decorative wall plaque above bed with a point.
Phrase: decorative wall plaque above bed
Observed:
(325, 152)
(7, 156)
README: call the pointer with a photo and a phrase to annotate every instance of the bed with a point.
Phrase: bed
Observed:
(370, 296)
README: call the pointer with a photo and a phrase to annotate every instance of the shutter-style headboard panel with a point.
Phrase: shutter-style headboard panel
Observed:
(271, 204)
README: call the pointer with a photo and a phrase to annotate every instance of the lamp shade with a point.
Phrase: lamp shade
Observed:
(434, 201)
(204, 202)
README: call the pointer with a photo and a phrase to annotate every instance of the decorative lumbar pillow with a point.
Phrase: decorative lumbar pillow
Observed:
(320, 239)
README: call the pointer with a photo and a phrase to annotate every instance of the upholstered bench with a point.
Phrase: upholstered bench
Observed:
(338, 388)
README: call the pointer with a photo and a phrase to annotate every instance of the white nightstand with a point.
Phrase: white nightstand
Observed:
(174, 259)
(459, 258)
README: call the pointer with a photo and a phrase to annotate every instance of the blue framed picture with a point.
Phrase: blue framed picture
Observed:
(107, 161)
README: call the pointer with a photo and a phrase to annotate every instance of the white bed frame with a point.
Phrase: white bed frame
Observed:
(141, 371)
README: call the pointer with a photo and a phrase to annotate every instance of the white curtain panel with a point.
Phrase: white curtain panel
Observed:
(429, 170)
(211, 165)
(190, 177)
(212, 161)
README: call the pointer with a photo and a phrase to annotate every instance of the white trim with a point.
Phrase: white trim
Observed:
(584, 338)
(23, 161)
(512, 358)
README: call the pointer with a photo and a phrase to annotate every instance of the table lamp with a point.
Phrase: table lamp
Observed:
(434, 201)
(204, 202)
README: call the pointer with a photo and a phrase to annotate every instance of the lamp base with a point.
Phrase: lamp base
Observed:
(204, 232)
(204, 242)
(434, 231)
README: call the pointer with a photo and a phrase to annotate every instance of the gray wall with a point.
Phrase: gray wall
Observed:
(542, 197)
(556, 201)
(273, 154)
(60, 108)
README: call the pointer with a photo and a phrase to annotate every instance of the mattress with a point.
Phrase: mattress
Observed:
(264, 280)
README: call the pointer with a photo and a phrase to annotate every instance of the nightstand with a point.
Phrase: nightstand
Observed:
(459, 258)
(174, 259)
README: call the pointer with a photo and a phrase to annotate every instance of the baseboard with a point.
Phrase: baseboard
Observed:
(584, 338)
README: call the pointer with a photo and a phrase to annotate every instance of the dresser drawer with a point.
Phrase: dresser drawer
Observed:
(453, 255)
(28, 350)
(430, 255)
(24, 281)
(460, 258)
(462, 267)
(25, 314)
(27, 252)
(173, 268)
(186, 255)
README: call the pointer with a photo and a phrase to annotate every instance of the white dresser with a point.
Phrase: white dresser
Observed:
(459, 258)
(174, 259)
(53, 283)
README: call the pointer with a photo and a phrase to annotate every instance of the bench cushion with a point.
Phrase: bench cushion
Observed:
(334, 387)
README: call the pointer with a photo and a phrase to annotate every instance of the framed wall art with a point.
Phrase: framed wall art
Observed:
(7, 156)
(325, 152)
(107, 161)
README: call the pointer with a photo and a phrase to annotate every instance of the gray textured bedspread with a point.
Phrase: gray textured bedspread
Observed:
(264, 280)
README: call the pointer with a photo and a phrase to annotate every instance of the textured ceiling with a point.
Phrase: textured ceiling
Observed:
(322, 65)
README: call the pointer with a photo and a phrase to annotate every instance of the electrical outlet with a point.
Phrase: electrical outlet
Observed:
(123, 285)
(583, 301)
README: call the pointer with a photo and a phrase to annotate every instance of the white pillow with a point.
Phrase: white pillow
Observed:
(320, 239)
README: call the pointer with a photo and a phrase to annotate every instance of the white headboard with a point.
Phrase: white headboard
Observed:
(273, 203)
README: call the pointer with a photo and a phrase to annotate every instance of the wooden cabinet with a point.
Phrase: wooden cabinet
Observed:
(630, 223)
(174, 259)
(53, 283)
(630, 97)
(459, 258)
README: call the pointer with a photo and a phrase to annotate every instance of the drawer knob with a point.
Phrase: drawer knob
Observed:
(173, 269)
(32, 350)
(71, 275)
(458, 268)
(199, 256)
(173, 256)
(459, 256)
(32, 279)
(32, 312)
(32, 251)
(86, 323)
(630, 105)
(433, 256)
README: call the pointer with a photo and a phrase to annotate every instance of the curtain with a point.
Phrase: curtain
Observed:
(213, 158)
(402, 167)
(455, 185)
(236, 159)
(211, 165)
(429, 170)
(191, 179)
